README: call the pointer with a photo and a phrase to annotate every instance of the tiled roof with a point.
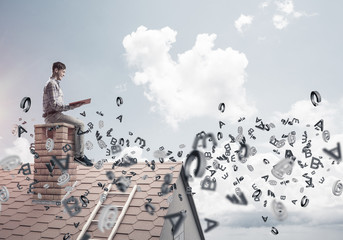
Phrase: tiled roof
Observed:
(22, 219)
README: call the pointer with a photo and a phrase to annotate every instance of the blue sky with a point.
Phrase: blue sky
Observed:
(173, 62)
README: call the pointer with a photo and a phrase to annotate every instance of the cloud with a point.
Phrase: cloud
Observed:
(264, 5)
(286, 12)
(22, 149)
(324, 208)
(308, 114)
(280, 21)
(195, 83)
(243, 21)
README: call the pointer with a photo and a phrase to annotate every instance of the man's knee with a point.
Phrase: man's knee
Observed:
(80, 125)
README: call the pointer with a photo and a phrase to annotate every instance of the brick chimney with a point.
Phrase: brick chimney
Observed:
(63, 138)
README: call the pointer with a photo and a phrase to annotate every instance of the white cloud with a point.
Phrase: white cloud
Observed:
(280, 21)
(264, 5)
(194, 84)
(285, 6)
(22, 149)
(286, 13)
(242, 22)
(324, 208)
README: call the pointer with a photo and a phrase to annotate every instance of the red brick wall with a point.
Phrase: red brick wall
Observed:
(61, 136)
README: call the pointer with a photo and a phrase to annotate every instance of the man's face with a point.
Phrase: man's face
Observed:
(60, 73)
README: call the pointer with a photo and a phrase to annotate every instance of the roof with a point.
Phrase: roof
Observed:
(20, 217)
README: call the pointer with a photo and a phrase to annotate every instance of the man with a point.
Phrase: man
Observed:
(53, 107)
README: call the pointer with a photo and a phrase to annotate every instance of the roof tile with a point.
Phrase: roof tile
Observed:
(38, 223)
(11, 225)
(139, 234)
(51, 233)
(39, 227)
(22, 230)
(125, 228)
(156, 231)
(143, 225)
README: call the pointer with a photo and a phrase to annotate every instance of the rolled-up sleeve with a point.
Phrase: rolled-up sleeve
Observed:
(55, 99)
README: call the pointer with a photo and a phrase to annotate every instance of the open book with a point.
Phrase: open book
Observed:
(85, 101)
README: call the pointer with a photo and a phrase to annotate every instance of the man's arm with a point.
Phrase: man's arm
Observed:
(54, 100)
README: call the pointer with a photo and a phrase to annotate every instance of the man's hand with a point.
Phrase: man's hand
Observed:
(76, 105)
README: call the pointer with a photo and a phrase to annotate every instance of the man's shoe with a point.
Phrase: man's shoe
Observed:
(84, 161)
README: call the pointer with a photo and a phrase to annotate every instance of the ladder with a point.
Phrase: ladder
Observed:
(100, 204)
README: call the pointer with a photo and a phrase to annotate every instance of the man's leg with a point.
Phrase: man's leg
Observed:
(79, 139)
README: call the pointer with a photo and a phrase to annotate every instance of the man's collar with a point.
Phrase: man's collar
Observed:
(53, 78)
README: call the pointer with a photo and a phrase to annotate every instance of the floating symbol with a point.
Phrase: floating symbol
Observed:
(315, 98)
(210, 224)
(23, 103)
(337, 188)
(89, 145)
(326, 135)
(150, 208)
(4, 194)
(180, 218)
(101, 124)
(284, 166)
(335, 153)
(63, 179)
(49, 145)
(304, 201)
(11, 162)
(279, 210)
(221, 107)
(274, 231)
(119, 101)
(108, 217)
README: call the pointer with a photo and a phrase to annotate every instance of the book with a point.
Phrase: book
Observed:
(85, 101)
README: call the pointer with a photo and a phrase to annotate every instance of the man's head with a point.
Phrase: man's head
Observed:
(58, 70)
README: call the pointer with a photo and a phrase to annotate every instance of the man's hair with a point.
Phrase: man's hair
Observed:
(58, 65)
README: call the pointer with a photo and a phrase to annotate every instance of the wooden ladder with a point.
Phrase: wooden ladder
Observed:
(100, 204)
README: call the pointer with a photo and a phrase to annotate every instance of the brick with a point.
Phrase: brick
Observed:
(62, 130)
(39, 165)
(47, 197)
(41, 178)
(61, 136)
(54, 191)
(57, 197)
(40, 190)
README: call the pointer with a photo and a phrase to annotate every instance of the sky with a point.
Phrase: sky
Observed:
(173, 63)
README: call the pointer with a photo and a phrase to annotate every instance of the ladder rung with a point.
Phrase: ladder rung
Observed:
(118, 193)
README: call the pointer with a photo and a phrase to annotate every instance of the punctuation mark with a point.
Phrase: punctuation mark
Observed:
(257, 194)
(140, 142)
(23, 102)
(225, 176)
